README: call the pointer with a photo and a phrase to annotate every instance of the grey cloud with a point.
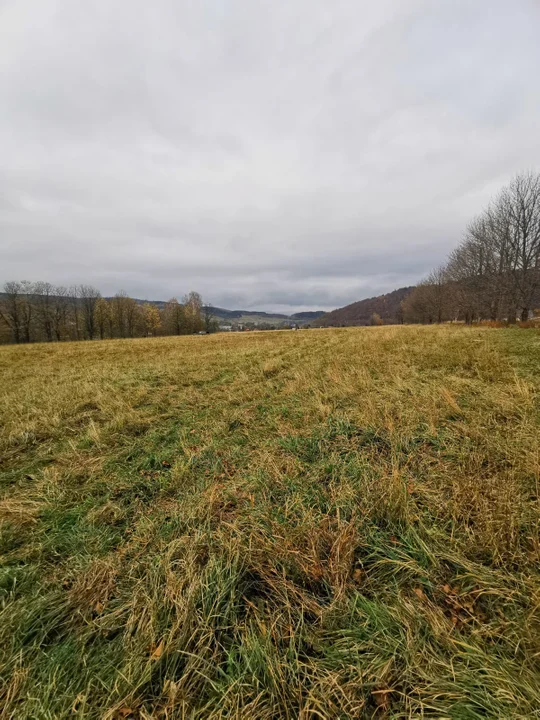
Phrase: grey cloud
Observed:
(283, 155)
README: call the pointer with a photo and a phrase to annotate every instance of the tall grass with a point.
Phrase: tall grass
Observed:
(321, 524)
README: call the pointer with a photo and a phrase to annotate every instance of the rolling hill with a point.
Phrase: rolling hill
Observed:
(257, 317)
(360, 313)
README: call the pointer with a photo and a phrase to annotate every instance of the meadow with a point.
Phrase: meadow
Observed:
(338, 523)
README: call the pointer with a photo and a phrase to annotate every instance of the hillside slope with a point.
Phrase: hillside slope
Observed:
(359, 313)
(309, 316)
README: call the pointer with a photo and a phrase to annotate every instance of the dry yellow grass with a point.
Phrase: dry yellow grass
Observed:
(320, 524)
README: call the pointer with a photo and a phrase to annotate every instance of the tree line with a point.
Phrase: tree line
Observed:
(42, 312)
(494, 273)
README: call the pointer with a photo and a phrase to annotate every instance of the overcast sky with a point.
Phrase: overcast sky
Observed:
(287, 155)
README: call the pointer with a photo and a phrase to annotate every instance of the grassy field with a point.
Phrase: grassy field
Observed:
(322, 524)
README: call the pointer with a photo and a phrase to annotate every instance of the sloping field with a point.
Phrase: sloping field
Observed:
(315, 524)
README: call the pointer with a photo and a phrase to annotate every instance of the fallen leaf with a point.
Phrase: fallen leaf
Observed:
(158, 652)
(98, 607)
(125, 711)
(358, 575)
(420, 593)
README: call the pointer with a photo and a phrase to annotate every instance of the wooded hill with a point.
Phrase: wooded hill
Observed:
(387, 307)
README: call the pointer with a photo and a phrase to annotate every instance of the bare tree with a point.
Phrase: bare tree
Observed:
(88, 297)
(193, 311)
(74, 306)
(439, 291)
(102, 316)
(27, 289)
(44, 301)
(132, 316)
(419, 306)
(119, 313)
(11, 309)
(175, 317)
(60, 312)
(210, 322)
(152, 319)
(520, 205)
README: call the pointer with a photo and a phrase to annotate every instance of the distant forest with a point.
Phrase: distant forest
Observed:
(41, 312)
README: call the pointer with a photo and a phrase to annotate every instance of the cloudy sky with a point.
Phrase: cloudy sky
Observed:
(275, 155)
